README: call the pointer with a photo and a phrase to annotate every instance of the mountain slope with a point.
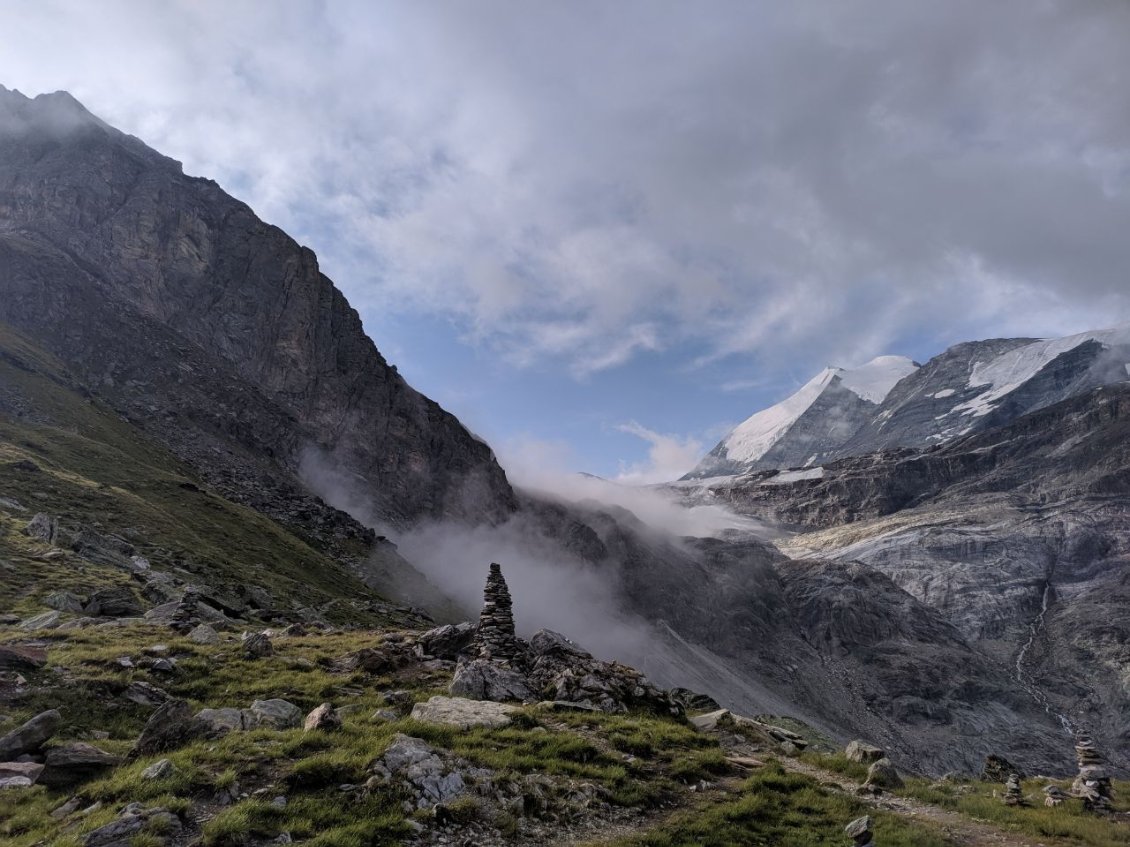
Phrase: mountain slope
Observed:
(212, 330)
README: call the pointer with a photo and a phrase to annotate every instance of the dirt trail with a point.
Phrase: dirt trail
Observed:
(960, 828)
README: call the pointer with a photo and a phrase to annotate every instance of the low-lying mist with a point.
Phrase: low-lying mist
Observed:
(552, 588)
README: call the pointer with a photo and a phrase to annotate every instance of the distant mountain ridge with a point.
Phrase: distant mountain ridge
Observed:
(971, 387)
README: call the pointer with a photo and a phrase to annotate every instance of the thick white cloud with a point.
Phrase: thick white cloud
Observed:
(584, 183)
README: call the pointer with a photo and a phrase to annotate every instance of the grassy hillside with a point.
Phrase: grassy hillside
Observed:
(64, 454)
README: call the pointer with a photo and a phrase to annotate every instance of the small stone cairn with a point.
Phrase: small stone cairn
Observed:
(859, 830)
(496, 640)
(1013, 793)
(1093, 782)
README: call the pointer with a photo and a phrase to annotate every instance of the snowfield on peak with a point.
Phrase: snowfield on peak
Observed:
(874, 381)
(1010, 370)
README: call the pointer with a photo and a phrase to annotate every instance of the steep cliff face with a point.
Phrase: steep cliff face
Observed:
(212, 329)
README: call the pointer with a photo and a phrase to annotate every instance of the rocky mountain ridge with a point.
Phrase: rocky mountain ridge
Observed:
(210, 329)
(971, 387)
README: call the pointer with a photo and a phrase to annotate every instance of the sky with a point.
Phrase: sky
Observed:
(603, 233)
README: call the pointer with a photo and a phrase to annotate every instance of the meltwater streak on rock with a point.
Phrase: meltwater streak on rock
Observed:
(1035, 628)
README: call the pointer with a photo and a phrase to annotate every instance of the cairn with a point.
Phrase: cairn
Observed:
(859, 830)
(1013, 793)
(495, 639)
(1093, 782)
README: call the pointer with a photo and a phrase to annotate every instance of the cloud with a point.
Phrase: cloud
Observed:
(586, 184)
(668, 457)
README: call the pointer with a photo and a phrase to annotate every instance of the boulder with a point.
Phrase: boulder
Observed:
(411, 762)
(30, 736)
(324, 717)
(134, 820)
(172, 725)
(273, 714)
(217, 722)
(204, 634)
(43, 527)
(861, 751)
(257, 645)
(711, 721)
(44, 620)
(859, 830)
(482, 679)
(103, 549)
(145, 694)
(464, 713)
(448, 641)
(75, 762)
(27, 770)
(377, 660)
(16, 658)
(116, 602)
(161, 769)
(15, 782)
(546, 642)
(882, 774)
(63, 601)
(692, 701)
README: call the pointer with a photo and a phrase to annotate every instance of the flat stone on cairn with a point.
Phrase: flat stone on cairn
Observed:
(496, 639)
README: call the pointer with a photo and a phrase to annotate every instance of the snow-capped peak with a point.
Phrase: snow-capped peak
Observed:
(754, 437)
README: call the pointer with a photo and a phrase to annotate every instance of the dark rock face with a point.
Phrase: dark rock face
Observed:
(209, 328)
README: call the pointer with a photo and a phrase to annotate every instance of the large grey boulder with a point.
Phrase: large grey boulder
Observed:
(448, 641)
(172, 725)
(14, 657)
(63, 601)
(482, 679)
(217, 722)
(204, 634)
(26, 770)
(44, 620)
(273, 714)
(43, 527)
(883, 774)
(861, 751)
(134, 820)
(75, 762)
(30, 736)
(324, 717)
(411, 762)
(117, 602)
(463, 713)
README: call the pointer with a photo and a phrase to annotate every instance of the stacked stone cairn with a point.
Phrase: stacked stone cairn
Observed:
(1093, 782)
(496, 640)
(1013, 793)
(859, 830)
